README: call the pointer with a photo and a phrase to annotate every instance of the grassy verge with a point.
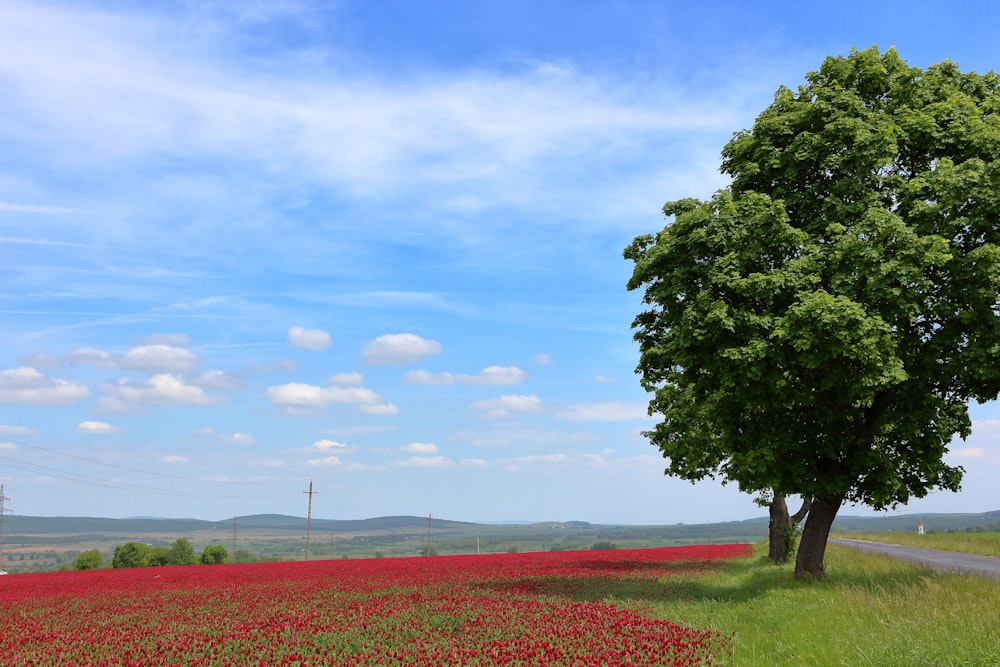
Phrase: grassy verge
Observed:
(984, 544)
(870, 610)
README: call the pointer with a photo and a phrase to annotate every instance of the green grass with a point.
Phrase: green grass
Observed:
(983, 544)
(870, 610)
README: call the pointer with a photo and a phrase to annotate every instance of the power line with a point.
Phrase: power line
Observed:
(87, 459)
(82, 478)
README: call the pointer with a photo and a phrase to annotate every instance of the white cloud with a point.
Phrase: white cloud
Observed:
(161, 389)
(497, 137)
(504, 405)
(603, 411)
(542, 359)
(491, 375)
(420, 448)
(299, 395)
(6, 429)
(159, 359)
(327, 445)
(426, 377)
(605, 379)
(499, 375)
(97, 427)
(353, 379)
(310, 339)
(241, 439)
(426, 462)
(208, 430)
(381, 409)
(175, 459)
(401, 348)
(145, 358)
(28, 386)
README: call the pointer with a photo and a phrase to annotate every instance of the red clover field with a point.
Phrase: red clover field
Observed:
(552, 608)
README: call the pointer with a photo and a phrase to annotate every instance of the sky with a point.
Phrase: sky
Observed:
(250, 245)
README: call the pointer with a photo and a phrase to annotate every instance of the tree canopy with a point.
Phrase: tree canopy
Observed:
(820, 326)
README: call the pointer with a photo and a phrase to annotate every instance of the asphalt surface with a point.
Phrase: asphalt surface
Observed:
(940, 561)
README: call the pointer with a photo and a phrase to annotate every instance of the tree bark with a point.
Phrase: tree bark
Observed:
(812, 546)
(780, 528)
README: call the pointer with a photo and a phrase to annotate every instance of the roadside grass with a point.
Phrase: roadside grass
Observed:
(983, 544)
(869, 610)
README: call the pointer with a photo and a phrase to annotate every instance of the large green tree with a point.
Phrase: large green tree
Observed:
(819, 327)
(182, 553)
(89, 560)
(132, 554)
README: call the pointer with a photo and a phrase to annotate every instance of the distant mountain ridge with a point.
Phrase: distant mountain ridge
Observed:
(14, 524)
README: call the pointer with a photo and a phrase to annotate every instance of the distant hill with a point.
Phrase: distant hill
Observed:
(60, 525)
(34, 525)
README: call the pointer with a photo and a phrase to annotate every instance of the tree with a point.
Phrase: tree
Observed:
(819, 327)
(781, 528)
(159, 556)
(181, 553)
(131, 554)
(214, 554)
(89, 560)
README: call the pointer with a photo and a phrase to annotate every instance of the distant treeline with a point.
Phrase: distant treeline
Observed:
(139, 554)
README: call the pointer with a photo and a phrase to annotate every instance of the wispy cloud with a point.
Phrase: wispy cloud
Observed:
(491, 375)
(503, 406)
(100, 428)
(494, 137)
(162, 389)
(147, 358)
(401, 348)
(603, 411)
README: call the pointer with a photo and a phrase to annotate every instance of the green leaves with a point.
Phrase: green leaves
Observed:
(819, 326)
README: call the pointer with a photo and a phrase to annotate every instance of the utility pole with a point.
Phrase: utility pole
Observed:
(309, 516)
(234, 532)
(3, 509)
(427, 549)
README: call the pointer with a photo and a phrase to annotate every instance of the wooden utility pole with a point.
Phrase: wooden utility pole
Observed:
(427, 549)
(309, 515)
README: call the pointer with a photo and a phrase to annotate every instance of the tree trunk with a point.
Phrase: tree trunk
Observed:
(780, 535)
(812, 546)
(779, 545)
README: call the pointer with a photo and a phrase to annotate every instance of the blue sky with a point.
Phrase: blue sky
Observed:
(377, 245)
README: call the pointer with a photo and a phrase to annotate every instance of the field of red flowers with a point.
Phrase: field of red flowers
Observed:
(564, 608)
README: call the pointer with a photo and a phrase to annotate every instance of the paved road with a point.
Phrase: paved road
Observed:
(940, 561)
